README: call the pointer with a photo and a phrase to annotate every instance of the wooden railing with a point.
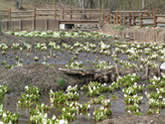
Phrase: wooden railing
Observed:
(113, 17)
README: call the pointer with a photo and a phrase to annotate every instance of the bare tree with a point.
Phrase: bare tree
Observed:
(143, 4)
(19, 4)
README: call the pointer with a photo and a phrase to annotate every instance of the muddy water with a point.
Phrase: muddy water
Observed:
(63, 57)
(117, 107)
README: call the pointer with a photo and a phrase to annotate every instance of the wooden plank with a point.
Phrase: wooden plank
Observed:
(3, 10)
(130, 11)
(44, 14)
(78, 21)
(84, 13)
(16, 12)
(148, 24)
(23, 16)
(160, 15)
(161, 22)
(45, 9)
(3, 14)
(147, 17)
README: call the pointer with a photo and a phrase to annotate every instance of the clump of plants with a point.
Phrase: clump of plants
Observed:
(30, 97)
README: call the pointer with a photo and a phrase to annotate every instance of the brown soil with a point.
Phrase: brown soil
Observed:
(42, 76)
(135, 33)
(153, 119)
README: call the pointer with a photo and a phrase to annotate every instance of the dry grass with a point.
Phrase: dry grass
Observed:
(5, 4)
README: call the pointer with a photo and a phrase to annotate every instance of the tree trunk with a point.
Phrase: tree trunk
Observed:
(91, 4)
(0, 28)
(19, 4)
(143, 4)
(82, 5)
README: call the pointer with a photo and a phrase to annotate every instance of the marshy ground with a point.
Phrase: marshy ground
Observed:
(35, 61)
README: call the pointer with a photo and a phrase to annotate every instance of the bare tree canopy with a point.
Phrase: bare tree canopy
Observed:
(109, 4)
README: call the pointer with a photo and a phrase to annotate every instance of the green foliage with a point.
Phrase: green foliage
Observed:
(61, 83)
(102, 113)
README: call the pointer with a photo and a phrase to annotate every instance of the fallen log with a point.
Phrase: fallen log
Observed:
(99, 75)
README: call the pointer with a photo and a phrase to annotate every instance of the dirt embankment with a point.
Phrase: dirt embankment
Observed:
(146, 34)
(154, 119)
(43, 76)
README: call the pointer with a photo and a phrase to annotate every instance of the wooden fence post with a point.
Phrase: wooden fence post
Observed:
(121, 19)
(71, 13)
(0, 26)
(125, 20)
(117, 18)
(155, 20)
(9, 14)
(9, 19)
(134, 19)
(130, 19)
(7, 25)
(63, 12)
(111, 18)
(34, 19)
(46, 24)
(21, 25)
(55, 13)
(103, 15)
(141, 19)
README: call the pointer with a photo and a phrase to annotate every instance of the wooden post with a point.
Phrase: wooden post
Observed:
(46, 24)
(21, 25)
(55, 13)
(155, 20)
(63, 12)
(117, 18)
(71, 13)
(103, 15)
(9, 14)
(111, 18)
(108, 18)
(9, 19)
(125, 20)
(141, 20)
(134, 20)
(0, 26)
(34, 19)
(7, 25)
(121, 19)
(114, 18)
(130, 19)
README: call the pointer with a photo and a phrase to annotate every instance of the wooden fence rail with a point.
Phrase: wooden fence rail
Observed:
(131, 18)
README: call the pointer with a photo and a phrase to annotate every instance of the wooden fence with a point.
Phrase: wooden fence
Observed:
(74, 16)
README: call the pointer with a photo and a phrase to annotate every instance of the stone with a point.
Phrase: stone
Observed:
(162, 66)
